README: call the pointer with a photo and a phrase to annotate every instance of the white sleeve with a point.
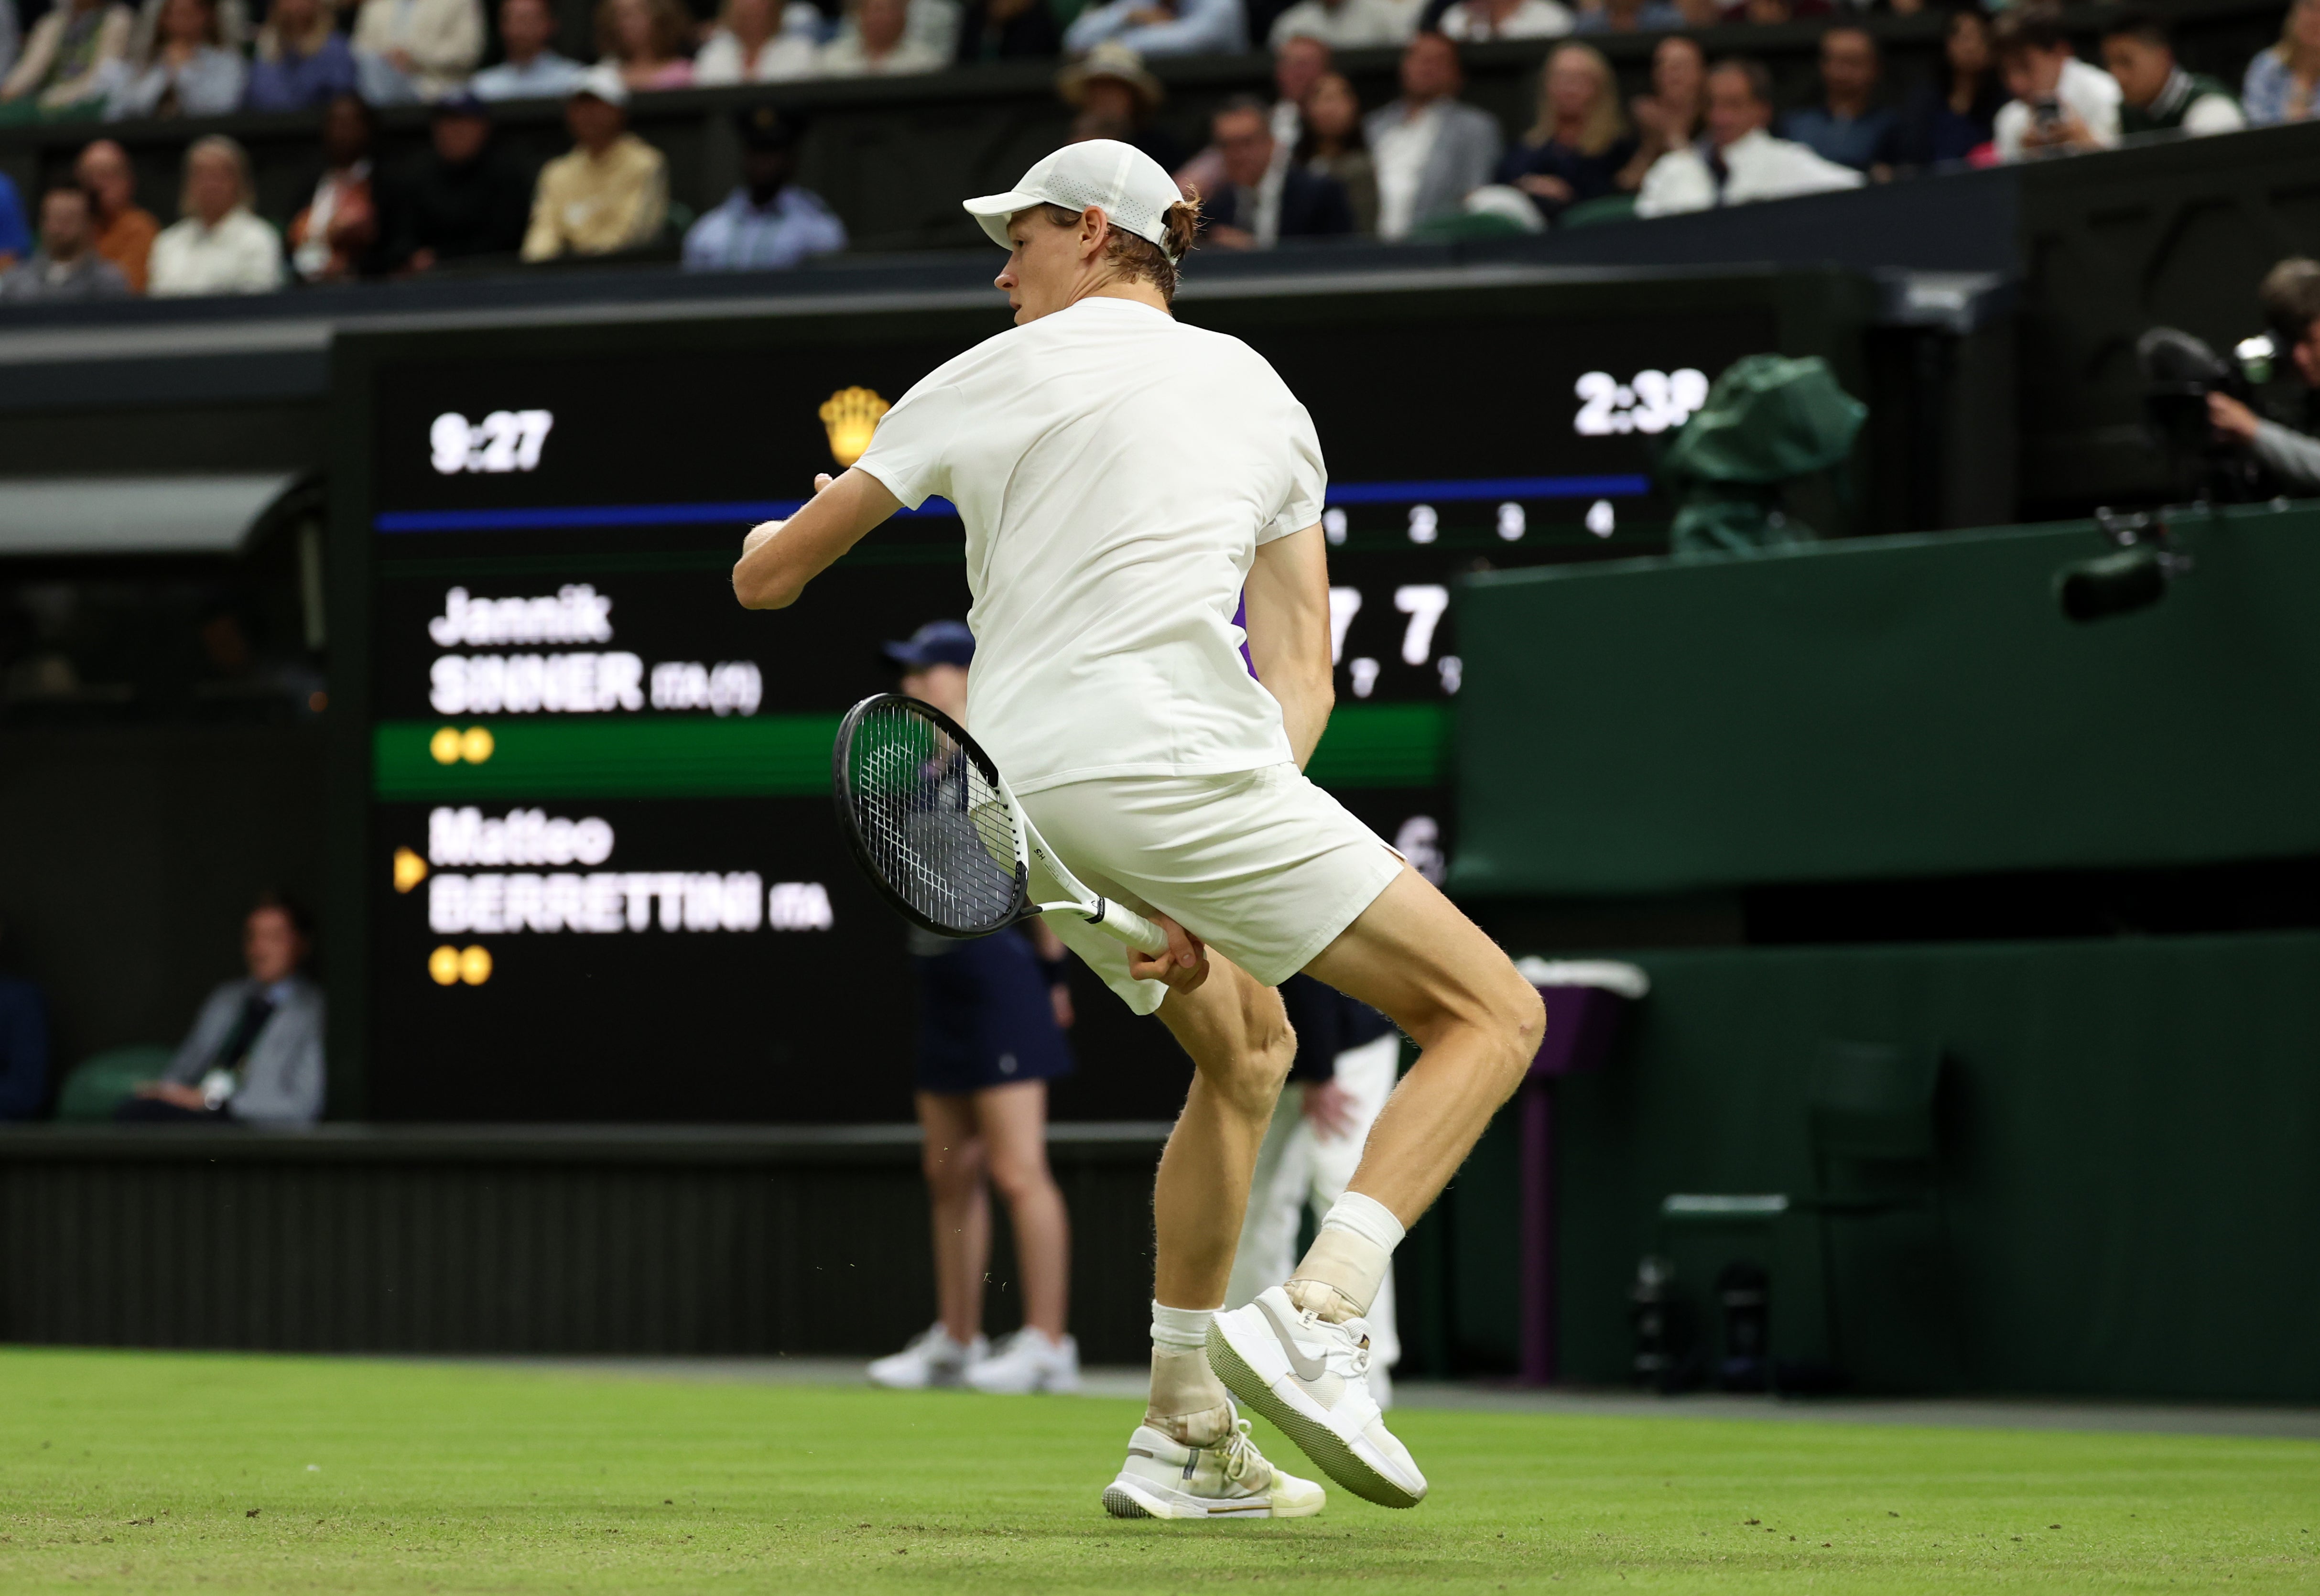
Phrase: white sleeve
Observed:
(2213, 114)
(1308, 480)
(2013, 121)
(910, 453)
(1679, 181)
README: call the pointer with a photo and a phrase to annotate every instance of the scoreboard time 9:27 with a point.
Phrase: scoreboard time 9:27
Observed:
(597, 874)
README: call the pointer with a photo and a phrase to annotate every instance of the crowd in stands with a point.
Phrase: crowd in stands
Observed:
(1313, 163)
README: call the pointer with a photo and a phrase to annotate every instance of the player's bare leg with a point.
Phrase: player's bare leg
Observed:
(1300, 1352)
(1192, 1458)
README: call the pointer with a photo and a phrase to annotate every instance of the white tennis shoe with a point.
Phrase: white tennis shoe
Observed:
(932, 1359)
(1025, 1362)
(1165, 1479)
(1310, 1377)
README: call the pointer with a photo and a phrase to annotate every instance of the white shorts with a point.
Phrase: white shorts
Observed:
(1261, 865)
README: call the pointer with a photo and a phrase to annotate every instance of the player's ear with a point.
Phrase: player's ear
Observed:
(1092, 227)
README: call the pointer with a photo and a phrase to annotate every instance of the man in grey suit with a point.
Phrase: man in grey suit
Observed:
(254, 1054)
(1431, 152)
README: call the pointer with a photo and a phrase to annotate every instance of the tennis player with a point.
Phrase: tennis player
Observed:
(1124, 479)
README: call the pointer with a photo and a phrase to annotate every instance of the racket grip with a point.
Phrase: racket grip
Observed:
(1119, 920)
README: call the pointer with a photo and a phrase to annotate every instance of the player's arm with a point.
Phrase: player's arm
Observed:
(1287, 598)
(779, 557)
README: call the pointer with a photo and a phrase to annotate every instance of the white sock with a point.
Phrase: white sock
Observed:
(1181, 1326)
(1349, 1257)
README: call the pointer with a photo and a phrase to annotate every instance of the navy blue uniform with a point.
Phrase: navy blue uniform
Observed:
(985, 1017)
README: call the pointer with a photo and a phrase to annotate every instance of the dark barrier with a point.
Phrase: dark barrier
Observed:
(599, 1241)
(894, 156)
(1911, 707)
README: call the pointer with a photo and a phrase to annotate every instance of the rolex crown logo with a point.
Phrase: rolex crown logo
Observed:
(851, 415)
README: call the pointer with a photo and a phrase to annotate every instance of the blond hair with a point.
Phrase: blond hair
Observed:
(1606, 123)
(1139, 259)
(216, 144)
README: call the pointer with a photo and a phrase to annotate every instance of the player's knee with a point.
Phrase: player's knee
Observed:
(1252, 1076)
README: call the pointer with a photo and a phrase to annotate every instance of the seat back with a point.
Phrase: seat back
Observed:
(102, 1082)
(1873, 1102)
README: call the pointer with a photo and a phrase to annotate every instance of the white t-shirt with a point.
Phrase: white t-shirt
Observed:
(2090, 91)
(1116, 471)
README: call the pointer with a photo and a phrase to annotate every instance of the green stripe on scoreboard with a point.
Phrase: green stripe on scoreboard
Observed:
(533, 758)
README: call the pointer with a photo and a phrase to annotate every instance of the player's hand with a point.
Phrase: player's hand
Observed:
(1330, 1107)
(1182, 968)
(2233, 422)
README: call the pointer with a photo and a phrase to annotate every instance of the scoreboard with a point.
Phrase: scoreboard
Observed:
(588, 867)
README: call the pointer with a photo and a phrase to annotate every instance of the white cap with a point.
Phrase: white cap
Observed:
(604, 82)
(1128, 185)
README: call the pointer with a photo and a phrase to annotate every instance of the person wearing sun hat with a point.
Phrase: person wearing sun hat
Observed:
(610, 192)
(1115, 94)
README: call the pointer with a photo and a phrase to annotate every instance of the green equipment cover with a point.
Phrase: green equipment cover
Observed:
(1768, 420)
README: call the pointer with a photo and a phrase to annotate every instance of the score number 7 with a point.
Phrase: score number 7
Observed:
(1423, 602)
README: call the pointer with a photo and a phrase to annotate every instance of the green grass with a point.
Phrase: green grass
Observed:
(164, 1472)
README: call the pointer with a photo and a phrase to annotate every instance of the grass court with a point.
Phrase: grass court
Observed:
(173, 1472)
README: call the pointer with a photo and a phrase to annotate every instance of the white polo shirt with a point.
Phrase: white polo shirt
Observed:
(1116, 471)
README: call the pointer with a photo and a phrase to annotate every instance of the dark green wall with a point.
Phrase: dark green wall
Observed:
(1885, 708)
(2130, 1128)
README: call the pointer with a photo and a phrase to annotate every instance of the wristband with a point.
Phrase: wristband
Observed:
(1053, 969)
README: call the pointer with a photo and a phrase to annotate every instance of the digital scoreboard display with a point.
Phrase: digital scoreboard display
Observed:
(595, 874)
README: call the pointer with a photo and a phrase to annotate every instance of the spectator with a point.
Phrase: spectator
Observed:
(644, 40)
(879, 45)
(769, 223)
(1297, 66)
(145, 33)
(1009, 30)
(1579, 148)
(1477, 21)
(1848, 126)
(10, 36)
(1332, 145)
(1262, 199)
(418, 49)
(2156, 96)
(1161, 28)
(1629, 16)
(1430, 149)
(2061, 105)
(1116, 96)
(217, 246)
(1341, 24)
(2280, 81)
(23, 1033)
(334, 237)
(464, 200)
(2290, 297)
(610, 192)
(530, 71)
(1743, 163)
(302, 59)
(72, 57)
(67, 265)
(190, 73)
(1671, 115)
(125, 232)
(254, 1054)
(15, 238)
(757, 42)
(1953, 117)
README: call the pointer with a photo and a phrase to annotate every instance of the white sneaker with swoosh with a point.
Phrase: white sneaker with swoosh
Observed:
(1165, 1479)
(1311, 1377)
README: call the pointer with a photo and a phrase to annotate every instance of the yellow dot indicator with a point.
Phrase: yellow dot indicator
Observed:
(410, 869)
(445, 745)
(476, 966)
(443, 964)
(477, 745)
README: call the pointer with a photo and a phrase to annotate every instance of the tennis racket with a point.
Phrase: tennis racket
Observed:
(938, 834)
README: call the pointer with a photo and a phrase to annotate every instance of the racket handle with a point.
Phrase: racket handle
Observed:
(1129, 927)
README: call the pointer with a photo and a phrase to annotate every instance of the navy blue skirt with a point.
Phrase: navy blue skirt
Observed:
(985, 1017)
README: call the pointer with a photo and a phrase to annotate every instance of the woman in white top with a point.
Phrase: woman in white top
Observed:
(219, 247)
(191, 71)
(758, 42)
(1472, 20)
(1126, 483)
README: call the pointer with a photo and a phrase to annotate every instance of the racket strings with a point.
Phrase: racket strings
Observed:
(933, 825)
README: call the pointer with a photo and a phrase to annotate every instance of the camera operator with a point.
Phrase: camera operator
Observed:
(2290, 297)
